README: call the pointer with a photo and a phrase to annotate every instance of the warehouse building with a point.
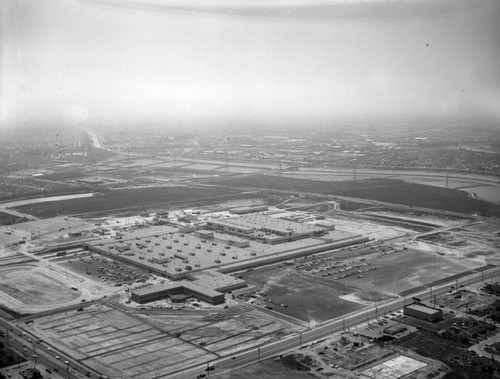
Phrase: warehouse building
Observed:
(423, 312)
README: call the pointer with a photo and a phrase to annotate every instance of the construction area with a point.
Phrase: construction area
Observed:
(113, 340)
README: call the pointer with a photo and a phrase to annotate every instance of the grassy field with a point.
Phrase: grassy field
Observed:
(136, 200)
(66, 175)
(8, 219)
(8, 356)
(317, 299)
(386, 190)
(269, 369)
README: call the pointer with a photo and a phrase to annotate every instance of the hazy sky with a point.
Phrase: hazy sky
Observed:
(221, 61)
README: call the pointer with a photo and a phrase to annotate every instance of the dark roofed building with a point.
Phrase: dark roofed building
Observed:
(423, 312)
(159, 292)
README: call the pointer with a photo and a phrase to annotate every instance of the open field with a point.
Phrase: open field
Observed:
(31, 285)
(63, 175)
(323, 287)
(307, 298)
(201, 166)
(474, 243)
(8, 356)
(9, 219)
(386, 190)
(139, 346)
(134, 199)
(490, 193)
(268, 369)
(238, 169)
(464, 300)
(232, 163)
(400, 271)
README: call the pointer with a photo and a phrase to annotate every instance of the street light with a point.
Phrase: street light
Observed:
(208, 369)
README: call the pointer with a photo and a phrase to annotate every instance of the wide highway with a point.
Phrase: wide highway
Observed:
(42, 354)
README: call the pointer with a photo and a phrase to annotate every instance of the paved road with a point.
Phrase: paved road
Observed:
(45, 355)
(323, 330)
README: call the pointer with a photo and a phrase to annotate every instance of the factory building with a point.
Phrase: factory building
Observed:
(206, 234)
(238, 242)
(228, 226)
(423, 312)
(162, 291)
(266, 229)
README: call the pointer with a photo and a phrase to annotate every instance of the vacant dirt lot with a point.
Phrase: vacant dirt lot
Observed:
(141, 346)
(33, 285)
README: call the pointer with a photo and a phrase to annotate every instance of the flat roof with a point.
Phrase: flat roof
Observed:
(423, 308)
(259, 222)
(172, 286)
(201, 253)
(172, 252)
(215, 280)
